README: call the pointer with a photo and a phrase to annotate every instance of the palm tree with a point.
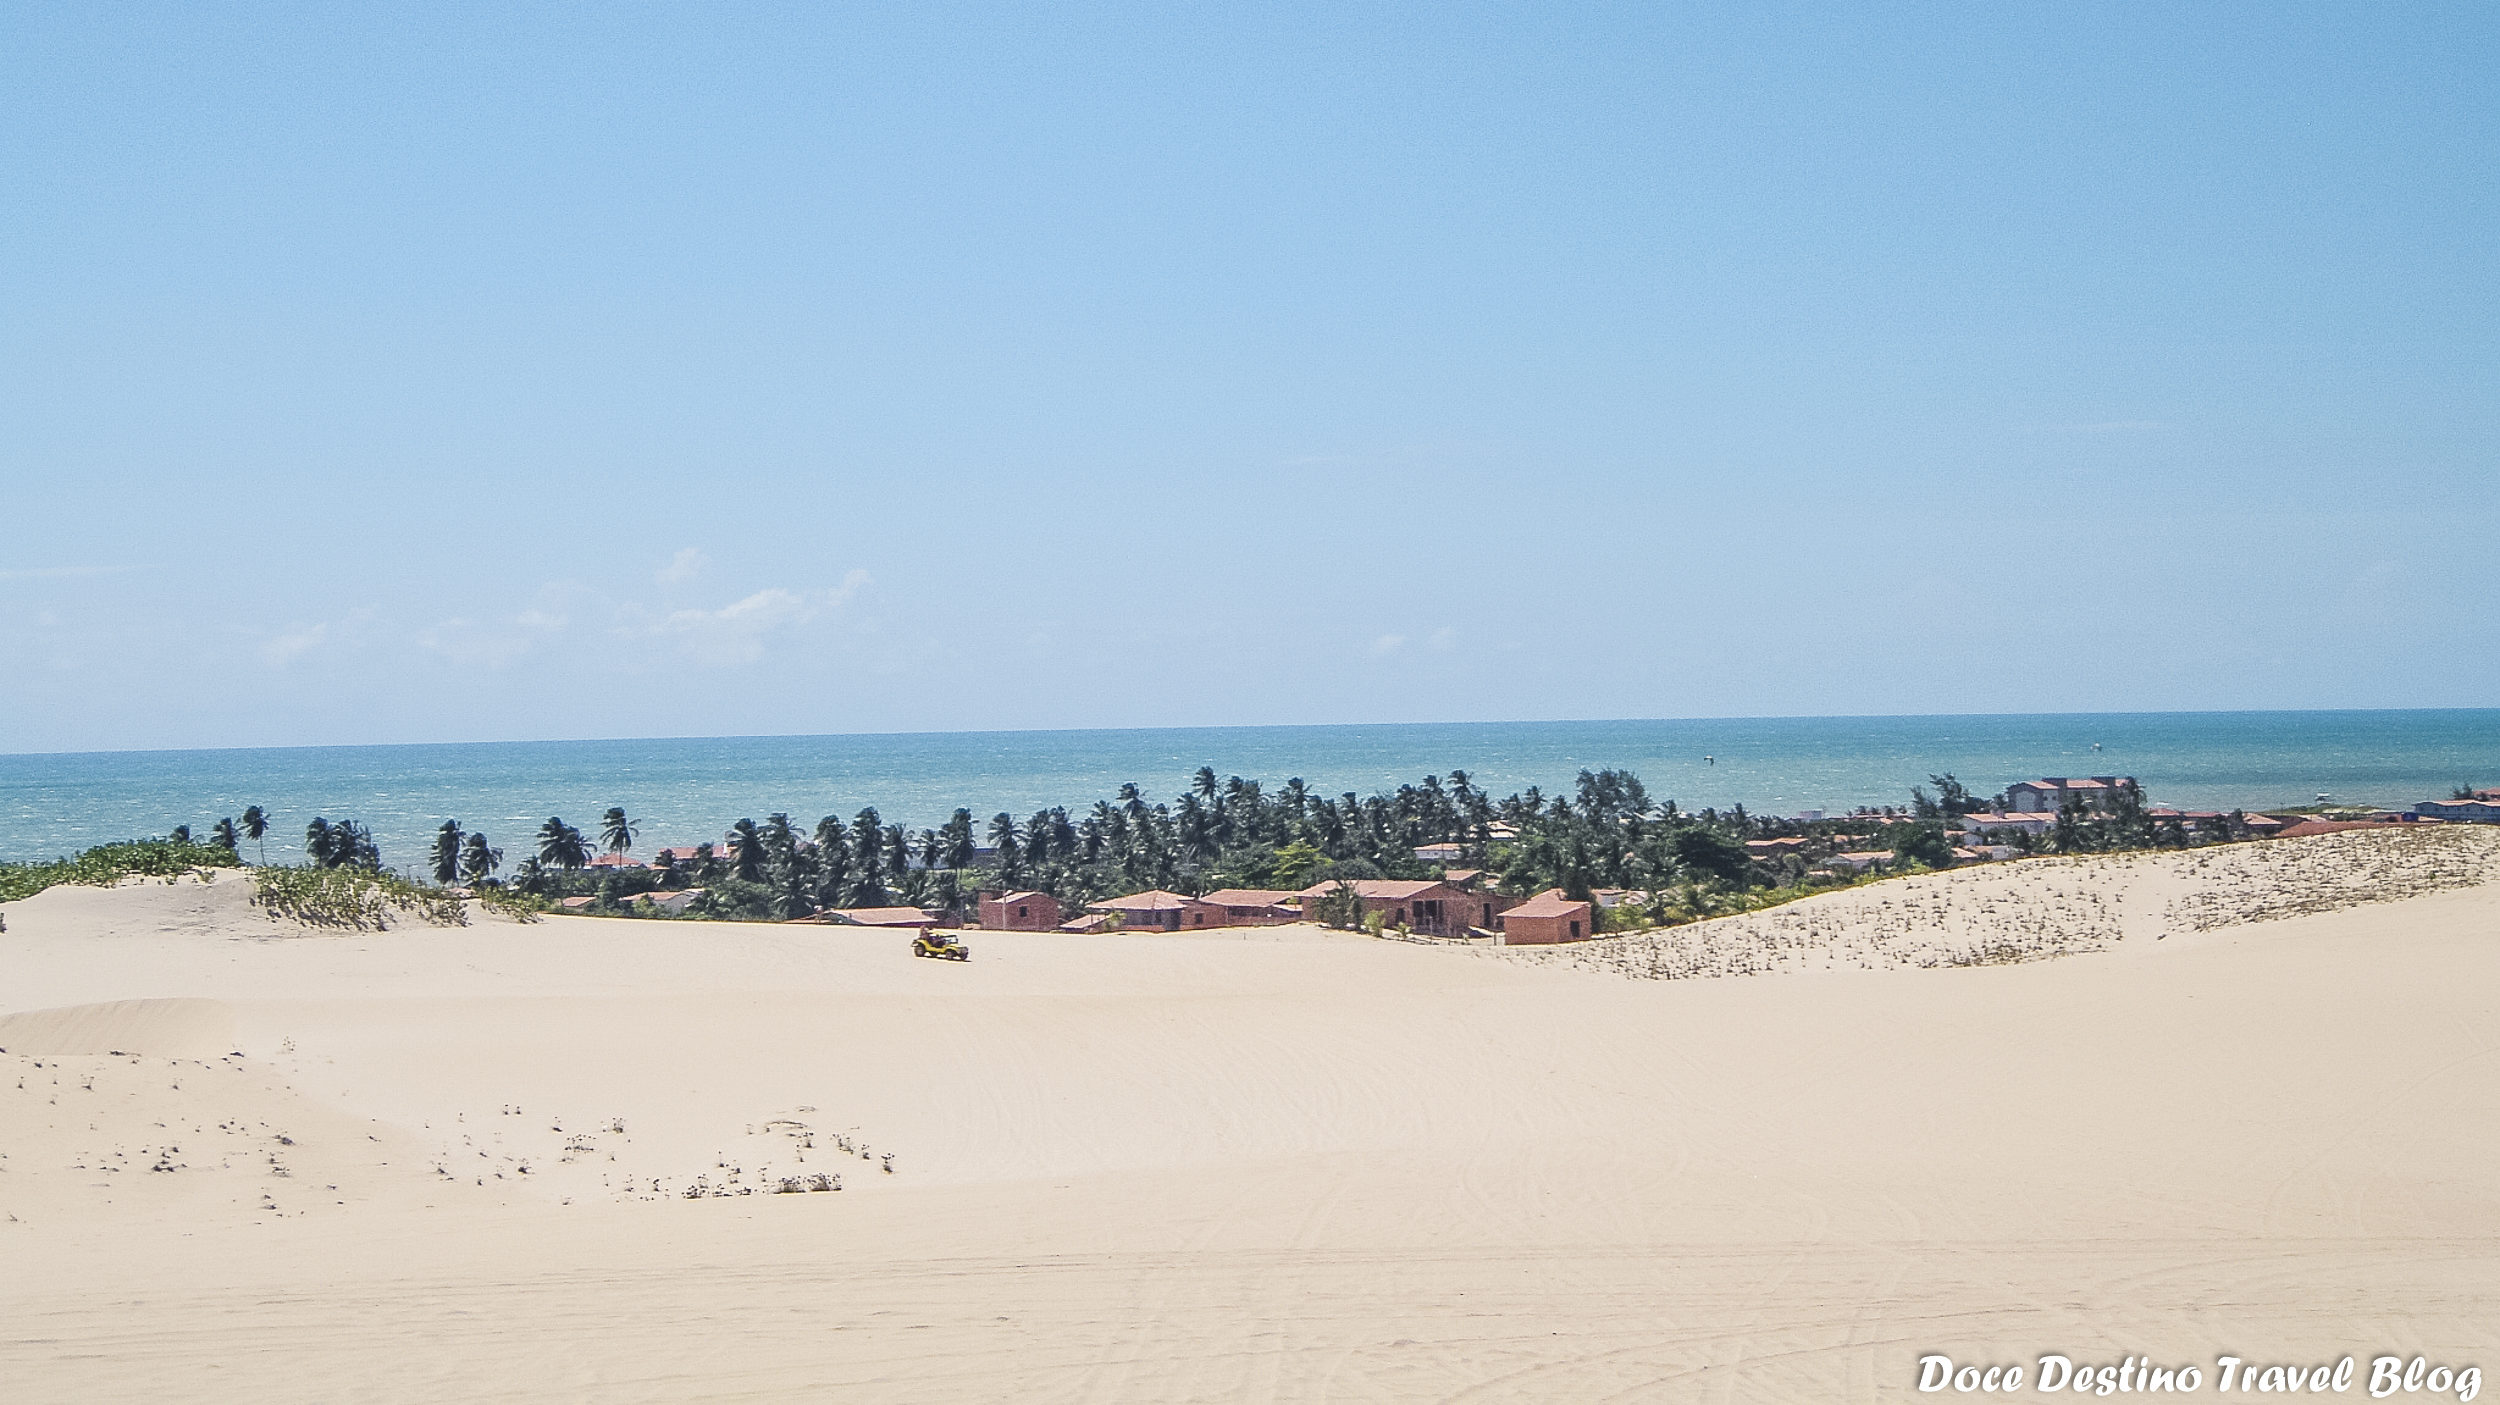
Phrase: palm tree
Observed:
(346, 844)
(959, 844)
(478, 859)
(792, 898)
(781, 842)
(616, 833)
(1204, 783)
(746, 851)
(833, 862)
(1006, 836)
(256, 827)
(560, 845)
(447, 853)
(222, 834)
(867, 842)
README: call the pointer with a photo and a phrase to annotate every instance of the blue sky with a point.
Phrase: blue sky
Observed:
(443, 373)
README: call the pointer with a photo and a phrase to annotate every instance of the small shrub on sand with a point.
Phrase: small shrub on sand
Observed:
(513, 903)
(353, 899)
(108, 864)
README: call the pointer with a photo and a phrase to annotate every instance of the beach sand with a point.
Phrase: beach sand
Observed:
(243, 1161)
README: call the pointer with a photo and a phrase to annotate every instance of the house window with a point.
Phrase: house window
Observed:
(1575, 931)
(1021, 912)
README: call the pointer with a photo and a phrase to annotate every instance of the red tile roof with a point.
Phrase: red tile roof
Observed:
(1550, 903)
(1377, 889)
(1152, 900)
(1246, 897)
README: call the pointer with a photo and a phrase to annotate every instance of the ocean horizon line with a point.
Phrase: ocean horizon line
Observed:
(1733, 717)
(684, 789)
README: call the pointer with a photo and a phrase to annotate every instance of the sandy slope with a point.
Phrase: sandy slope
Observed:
(1307, 1167)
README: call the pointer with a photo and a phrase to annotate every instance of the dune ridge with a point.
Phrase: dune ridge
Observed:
(2034, 909)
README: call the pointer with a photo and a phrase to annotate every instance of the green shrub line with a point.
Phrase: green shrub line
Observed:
(353, 899)
(108, 864)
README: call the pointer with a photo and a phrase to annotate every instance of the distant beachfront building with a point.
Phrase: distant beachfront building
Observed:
(1440, 853)
(2484, 808)
(1545, 919)
(2032, 822)
(2050, 792)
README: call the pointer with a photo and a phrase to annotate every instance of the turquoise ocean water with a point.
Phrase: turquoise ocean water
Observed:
(686, 790)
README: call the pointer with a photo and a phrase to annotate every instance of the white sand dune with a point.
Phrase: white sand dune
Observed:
(455, 1164)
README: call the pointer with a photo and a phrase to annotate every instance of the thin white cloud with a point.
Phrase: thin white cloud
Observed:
(1387, 644)
(286, 648)
(739, 631)
(468, 641)
(687, 564)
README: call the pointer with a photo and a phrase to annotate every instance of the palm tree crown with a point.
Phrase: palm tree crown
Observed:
(560, 845)
(616, 833)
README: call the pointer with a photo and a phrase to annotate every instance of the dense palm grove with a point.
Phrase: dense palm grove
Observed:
(1232, 833)
(1219, 833)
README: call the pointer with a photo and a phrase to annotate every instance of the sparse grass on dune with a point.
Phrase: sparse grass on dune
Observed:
(2242, 883)
(2033, 909)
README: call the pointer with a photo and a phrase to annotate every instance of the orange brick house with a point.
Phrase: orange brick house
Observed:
(1241, 907)
(1020, 912)
(1432, 907)
(1547, 918)
(1153, 909)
